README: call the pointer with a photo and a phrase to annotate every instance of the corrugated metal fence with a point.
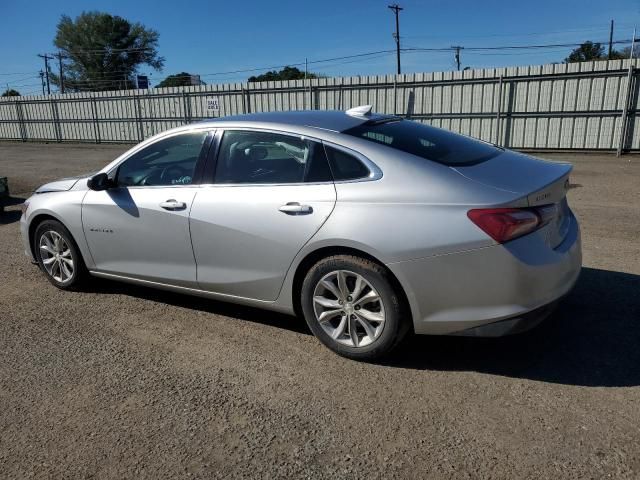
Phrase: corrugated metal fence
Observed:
(582, 106)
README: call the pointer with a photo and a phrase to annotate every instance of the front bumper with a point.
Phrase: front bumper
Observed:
(503, 288)
(24, 230)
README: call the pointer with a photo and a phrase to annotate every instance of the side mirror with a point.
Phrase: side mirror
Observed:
(99, 182)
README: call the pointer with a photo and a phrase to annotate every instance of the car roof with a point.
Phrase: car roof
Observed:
(334, 120)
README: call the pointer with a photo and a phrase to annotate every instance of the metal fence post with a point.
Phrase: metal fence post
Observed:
(21, 125)
(244, 106)
(499, 112)
(395, 96)
(139, 117)
(96, 127)
(248, 103)
(56, 120)
(624, 119)
(185, 107)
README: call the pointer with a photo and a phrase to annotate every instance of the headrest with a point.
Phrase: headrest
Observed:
(256, 153)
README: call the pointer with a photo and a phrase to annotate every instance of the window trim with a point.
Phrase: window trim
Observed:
(208, 178)
(200, 163)
(374, 171)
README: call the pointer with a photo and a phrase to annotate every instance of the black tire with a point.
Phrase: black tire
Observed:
(79, 274)
(396, 322)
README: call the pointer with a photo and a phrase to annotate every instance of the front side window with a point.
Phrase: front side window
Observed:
(171, 161)
(427, 142)
(264, 157)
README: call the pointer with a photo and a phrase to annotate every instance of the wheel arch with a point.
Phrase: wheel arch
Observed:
(36, 220)
(33, 224)
(315, 256)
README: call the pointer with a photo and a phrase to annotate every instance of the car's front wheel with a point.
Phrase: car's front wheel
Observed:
(351, 305)
(58, 256)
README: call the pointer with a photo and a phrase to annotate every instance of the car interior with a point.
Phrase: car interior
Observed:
(262, 159)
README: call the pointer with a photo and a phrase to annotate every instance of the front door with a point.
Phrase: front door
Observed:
(140, 227)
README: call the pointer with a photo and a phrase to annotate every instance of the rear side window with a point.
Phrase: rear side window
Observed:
(264, 157)
(427, 142)
(345, 166)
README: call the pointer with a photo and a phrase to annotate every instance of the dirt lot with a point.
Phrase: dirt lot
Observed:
(129, 382)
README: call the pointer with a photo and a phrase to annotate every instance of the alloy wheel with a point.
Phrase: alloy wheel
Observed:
(348, 308)
(56, 256)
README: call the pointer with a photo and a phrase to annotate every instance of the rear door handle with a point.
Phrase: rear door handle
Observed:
(173, 205)
(294, 208)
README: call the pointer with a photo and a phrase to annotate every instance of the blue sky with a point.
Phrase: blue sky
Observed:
(210, 36)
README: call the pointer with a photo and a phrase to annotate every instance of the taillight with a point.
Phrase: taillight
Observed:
(504, 224)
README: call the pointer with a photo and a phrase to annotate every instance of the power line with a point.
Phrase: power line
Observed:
(510, 47)
(103, 51)
(17, 73)
(517, 34)
(114, 77)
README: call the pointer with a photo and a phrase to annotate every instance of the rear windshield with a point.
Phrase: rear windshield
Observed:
(427, 142)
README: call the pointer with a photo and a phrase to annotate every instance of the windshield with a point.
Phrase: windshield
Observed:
(427, 142)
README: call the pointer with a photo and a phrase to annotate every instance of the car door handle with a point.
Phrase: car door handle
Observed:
(294, 208)
(173, 205)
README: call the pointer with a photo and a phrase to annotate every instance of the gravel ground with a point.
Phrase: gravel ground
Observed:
(123, 381)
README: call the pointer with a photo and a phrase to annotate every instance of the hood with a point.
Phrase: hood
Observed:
(61, 185)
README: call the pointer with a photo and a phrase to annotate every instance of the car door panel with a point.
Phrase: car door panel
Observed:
(140, 226)
(130, 233)
(244, 240)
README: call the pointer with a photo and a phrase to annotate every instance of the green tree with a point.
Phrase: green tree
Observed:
(586, 52)
(287, 73)
(626, 51)
(104, 52)
(10, 92)
(178, 80)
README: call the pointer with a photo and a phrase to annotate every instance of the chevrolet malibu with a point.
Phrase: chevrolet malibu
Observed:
(367, 225)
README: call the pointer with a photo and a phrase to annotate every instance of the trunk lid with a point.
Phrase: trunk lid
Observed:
(538, 183)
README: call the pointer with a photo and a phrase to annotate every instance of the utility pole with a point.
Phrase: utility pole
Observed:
(42, 80)
(46, 70)
(396, 9)
(457, 56)
(610, 40)
(60, 56)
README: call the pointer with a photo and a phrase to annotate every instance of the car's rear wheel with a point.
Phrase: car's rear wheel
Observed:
(58, 255)
(351, 305)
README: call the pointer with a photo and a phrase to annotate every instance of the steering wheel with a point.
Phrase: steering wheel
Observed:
(170, 172)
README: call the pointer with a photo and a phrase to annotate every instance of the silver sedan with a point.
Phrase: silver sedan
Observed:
(369, 226)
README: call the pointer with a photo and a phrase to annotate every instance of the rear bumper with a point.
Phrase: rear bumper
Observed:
(512, 326)
(491, 291)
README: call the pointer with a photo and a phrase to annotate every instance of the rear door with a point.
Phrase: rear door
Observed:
(270, 194)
